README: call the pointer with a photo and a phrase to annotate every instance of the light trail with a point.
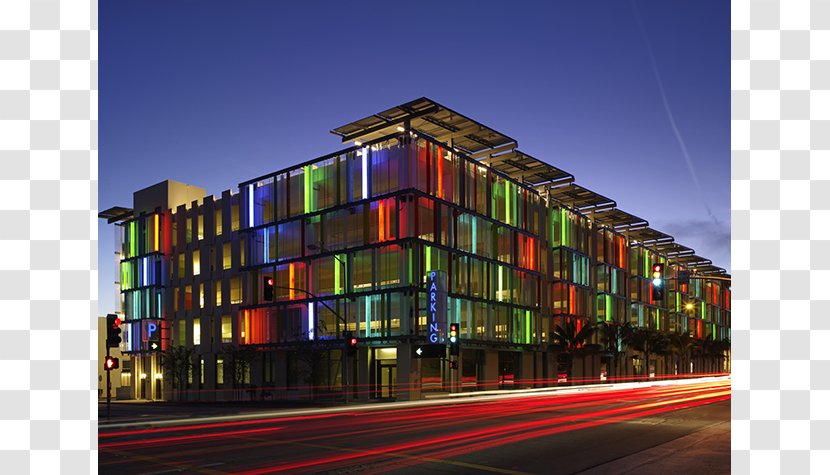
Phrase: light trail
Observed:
(465, 438)
(402, 435)
(186, 438)
(446, 416)
(451, 399)
(466, 449)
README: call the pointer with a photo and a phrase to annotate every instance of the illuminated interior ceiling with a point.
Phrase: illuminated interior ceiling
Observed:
(427, 117)
(116, 213)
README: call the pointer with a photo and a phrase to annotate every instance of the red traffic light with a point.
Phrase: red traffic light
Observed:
(270, 281)
(353, 342)
(113, 330)
(110, 363)
(657, 272)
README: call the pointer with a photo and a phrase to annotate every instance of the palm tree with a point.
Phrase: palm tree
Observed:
(717, 350)
(648, 341)
(661, 345)
(570, 340)
(704, 350)
(681, 344)
(726, 346)
(613, 336)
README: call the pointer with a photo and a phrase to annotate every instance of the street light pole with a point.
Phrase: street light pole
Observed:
(343, 349)
(345, 364)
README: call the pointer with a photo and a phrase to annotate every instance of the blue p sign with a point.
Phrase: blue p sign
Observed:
(151, 328)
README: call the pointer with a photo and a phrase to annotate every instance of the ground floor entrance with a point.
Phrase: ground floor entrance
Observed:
(386, 380)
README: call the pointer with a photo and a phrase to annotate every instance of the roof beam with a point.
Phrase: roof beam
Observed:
(486, 155)
(379, 127)
(458, 133)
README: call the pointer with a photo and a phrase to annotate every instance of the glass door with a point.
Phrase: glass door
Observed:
(387, 379)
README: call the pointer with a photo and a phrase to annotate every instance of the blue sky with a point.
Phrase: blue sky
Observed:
(214, 93)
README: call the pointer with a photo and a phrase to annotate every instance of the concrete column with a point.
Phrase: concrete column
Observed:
(527, 368)
(491, 369)
(549, 375)
(407, 389)
(280, 374)
(364, 391)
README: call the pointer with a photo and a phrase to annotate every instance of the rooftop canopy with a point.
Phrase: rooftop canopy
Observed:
(116, 213)
(428, 117)
(498, 151)
(527, 169)
(581, 199)
(674, 250)
(619, 220)
(650, 237)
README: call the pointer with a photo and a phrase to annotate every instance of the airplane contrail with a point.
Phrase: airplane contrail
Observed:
(670, 115)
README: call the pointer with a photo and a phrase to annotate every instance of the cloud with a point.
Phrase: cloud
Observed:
(708, 239)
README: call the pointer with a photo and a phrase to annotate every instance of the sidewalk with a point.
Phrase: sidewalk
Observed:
(707, 451)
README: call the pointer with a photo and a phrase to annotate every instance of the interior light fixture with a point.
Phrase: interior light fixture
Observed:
(358, 143)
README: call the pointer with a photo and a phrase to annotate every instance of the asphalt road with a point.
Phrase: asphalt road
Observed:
(549, 433)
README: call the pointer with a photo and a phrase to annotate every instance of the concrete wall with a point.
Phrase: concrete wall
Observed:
(167, 195)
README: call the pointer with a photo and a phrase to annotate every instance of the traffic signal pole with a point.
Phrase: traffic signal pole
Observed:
(108, 384)
(113, 339)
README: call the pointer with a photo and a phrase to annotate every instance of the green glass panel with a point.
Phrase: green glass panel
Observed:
(608, 309)
(307, 188)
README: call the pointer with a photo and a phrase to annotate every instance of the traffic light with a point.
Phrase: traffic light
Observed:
(453, 364)
(268, 288)
(657, 282)
(351, 343)
(454, 343)
(113, 331)
(110, 363)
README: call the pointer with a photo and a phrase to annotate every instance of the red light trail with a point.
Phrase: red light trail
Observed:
(390, 437)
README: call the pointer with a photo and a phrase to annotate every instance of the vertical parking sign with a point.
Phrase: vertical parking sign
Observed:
(436, 305)
(151, 335)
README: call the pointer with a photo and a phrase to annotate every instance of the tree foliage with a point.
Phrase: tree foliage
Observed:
(177, 364)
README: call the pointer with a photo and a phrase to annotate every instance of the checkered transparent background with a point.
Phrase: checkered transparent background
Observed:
(48, 246)
(781, 236)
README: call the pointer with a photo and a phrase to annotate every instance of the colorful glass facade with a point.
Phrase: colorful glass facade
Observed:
(346, 242)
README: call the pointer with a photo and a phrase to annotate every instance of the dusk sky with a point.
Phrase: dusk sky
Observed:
(215, 93)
